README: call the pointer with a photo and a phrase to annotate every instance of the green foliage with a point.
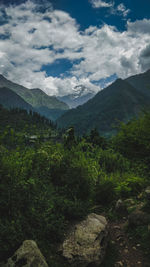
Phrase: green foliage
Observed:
(133, 139)
(105, 191)
(45, 185)
(111, 161)
(129, 184)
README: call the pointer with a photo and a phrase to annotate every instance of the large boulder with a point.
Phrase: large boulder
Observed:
(86, 243)
(28, 255)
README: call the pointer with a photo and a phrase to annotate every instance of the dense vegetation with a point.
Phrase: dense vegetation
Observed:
(45, 185)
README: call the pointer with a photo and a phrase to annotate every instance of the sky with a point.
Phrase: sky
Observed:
(56, 45)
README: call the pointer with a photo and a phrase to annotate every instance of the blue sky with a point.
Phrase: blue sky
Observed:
(59, 44)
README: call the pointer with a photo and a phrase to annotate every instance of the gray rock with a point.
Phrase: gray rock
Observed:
(28, 255)
(121, 207)
(138, 218)
(86, 243)
(119, 264)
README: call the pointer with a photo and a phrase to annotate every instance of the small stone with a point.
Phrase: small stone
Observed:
(117, 227)
(121, 207)
(134, 248)
(139, 262)
(138, 245)
(126, 251)
(119, 264)
(140, 196)
(119, 238)
(147, 192)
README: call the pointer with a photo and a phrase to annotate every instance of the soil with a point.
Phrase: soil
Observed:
(129, 252)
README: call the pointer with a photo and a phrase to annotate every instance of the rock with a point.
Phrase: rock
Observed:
(138, 218)
(119, 264)
(28, 255)
(147, 192)
(86, 243)
(129, 202)
(116, 227)
(126, 251)
(121, 207)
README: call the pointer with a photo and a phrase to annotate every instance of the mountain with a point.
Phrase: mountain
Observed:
(80, 96)
(34, 97)
(118, 102)
(10, 99)
(141, 82)
(52, 114)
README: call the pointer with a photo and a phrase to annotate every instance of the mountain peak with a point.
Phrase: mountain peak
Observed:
(80, 90)
(2, 77)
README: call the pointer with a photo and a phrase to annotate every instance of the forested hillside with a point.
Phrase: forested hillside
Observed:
(10, 99)
(46, 186)
(121, 101)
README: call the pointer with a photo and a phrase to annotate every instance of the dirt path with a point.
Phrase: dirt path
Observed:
(129, 253)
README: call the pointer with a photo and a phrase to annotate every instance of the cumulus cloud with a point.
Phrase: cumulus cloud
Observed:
(122, 9)
(119, 10)
(30, 39)
(101, 3)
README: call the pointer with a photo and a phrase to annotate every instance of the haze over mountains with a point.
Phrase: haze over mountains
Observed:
(120, 101)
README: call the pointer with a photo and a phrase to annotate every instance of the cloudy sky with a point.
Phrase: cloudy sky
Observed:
(58, 44)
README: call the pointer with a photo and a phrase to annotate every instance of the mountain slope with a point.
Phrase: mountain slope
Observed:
(52, 114)
(34, 97)
(10, 99)
(141, 82)
(119, 101)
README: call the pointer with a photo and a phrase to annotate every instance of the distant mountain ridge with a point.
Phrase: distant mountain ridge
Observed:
(120, 101)
(34, 97)
(15, 95)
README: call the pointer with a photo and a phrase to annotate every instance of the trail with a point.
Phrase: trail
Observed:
(129, 252)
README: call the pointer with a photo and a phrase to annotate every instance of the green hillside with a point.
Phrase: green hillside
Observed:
(141, 82)
(34, 97)
(10, 99)
(118, 102)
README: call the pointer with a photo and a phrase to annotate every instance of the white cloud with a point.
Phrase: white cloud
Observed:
(34, 39)
(101, 3)
(122, 10)
(119, 10)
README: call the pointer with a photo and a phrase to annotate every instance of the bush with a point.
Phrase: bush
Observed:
(111, 161)
(129, 185)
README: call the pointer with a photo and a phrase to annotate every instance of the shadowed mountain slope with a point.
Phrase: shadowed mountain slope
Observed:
(118, 102)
